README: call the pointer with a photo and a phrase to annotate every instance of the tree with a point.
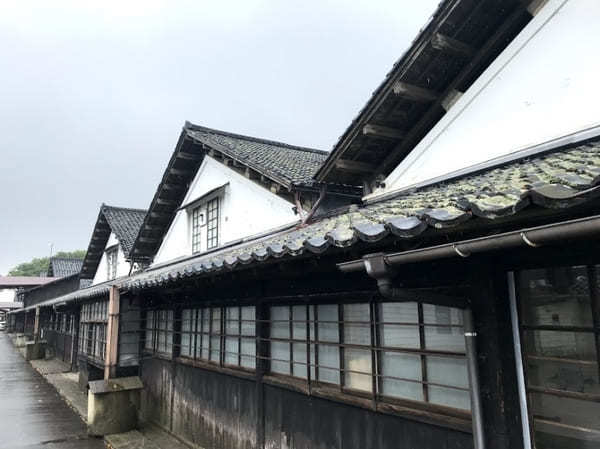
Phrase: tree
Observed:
(39, 265)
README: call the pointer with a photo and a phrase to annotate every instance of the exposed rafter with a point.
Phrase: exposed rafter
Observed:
(382, 132)
(447, 44)
(190, 156)
(354, 166)
(413, 135)
(414, 93)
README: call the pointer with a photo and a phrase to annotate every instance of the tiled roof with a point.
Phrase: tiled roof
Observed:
(125, 223)
(286, 163)
(61, 266)
(23, 281)
(83, 294)
(556, 180)
(273, 162)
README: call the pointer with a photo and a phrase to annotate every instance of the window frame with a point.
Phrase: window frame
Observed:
(93, 327)
(213, 233)
(593, 283)
(313, 378)
(197, 221)
(161, 328)
(207, 336)
(112, 261)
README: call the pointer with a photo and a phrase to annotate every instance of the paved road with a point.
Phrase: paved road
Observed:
(32, 414)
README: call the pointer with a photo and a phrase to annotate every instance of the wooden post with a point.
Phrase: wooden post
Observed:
(75, 340)
(112, 334)
(498, 382)
(36, 325)
(262, 365)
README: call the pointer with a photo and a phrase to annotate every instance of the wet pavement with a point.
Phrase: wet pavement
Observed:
(32, 414)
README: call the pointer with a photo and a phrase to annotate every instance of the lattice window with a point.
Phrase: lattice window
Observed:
(225, 336)
(111, 262)
(560, 332)
(212, 223)
(159, 331)
(197, 218)
(396, 350)
(92, 329)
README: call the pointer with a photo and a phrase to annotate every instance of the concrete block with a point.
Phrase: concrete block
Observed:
(20, 340)
(35, 350)
(113, 405)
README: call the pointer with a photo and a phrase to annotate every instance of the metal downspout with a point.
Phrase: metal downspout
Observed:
(514, 318)
(474, 391)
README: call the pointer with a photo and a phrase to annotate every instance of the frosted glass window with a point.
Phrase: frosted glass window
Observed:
(299, 334)
(215, 335)
(451, 372)
(248, 342)
(232, 331)
(280, 329)
(445, 331)
(357, 362)
(280, 357)
(403, 375)
(187, 329)
(399, 324)
(423, 376)
(280, 322)
(560, 332)
(205, 334)
(148, 342)
(329, 355)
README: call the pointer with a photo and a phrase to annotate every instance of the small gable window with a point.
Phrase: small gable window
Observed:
(111, 262)
(204, 226)
(212, 223)
(197, 221)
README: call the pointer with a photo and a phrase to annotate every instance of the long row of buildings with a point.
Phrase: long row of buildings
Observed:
(432, 282)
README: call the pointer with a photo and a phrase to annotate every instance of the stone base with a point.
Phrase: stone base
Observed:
(35, 350)
(20, 340)
(113, 405)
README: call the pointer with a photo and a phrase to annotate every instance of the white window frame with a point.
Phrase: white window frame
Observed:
(112, 261)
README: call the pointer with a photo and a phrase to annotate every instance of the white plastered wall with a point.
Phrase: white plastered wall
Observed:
(246, 208)
(122, 265)
(543, 86)
(8, 295)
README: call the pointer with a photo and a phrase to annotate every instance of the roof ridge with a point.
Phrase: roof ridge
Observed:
(123, 208)
(192, 127)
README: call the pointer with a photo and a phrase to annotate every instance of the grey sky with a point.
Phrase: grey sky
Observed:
(93, 95)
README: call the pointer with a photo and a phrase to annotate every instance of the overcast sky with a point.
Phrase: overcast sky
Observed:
(93, 95)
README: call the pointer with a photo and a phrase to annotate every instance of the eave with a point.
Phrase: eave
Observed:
(456, 46)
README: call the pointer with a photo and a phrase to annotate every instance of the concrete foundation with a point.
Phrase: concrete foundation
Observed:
(35, 350)
(113, 405)
(20, 340)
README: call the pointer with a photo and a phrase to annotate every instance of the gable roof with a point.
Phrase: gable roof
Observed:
(123, 222)
(287, 164)
(561, 179)
(277, 164)
(458, 43)
(63, 266)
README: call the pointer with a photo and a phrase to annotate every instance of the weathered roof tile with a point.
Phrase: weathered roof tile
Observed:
(545, 180)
